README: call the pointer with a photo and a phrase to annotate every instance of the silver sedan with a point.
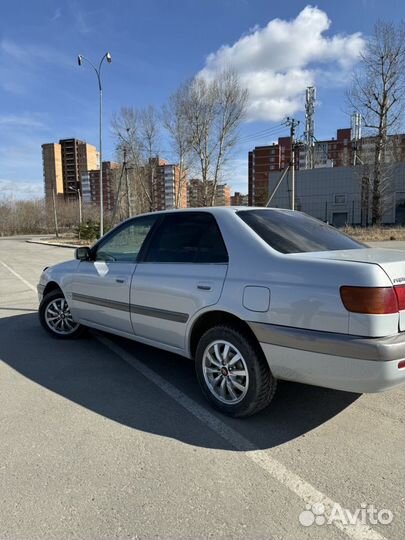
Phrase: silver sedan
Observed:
(253, 295)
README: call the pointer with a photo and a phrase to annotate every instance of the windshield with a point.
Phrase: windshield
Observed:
(295, 232)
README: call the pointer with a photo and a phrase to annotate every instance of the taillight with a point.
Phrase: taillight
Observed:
(401, 364)
(371, 300)
(400, 292)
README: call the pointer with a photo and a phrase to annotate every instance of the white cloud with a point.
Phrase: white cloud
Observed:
(80, 18)
(57, 14)
(20, 190)
(277, 62)
(21, 121)
(31, 56)
(25, 66)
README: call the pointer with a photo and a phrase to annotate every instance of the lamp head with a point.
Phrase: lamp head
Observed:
(108, 57)
(80, 59)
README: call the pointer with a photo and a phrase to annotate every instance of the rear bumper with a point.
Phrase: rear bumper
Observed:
(339, 361)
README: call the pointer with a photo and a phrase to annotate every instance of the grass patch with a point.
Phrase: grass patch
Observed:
(375, 234)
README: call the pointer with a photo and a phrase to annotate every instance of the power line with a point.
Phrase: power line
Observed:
(263, 133)
(261, 137)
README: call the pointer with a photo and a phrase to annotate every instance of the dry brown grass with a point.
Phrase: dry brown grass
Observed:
(375, 234)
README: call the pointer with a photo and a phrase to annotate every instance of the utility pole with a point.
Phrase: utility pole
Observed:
(55, 213)
(127, 186)
(79, 194)
(293, 126)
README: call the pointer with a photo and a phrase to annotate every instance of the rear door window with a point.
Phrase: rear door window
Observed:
(192, 237)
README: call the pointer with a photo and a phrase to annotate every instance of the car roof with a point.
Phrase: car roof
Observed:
(215, 210)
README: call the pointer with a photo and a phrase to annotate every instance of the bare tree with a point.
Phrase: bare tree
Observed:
(378, 92)
(149, 137)
(22, 217)
(133, 193)
(137, 133)
(213, 109)
(175, 122)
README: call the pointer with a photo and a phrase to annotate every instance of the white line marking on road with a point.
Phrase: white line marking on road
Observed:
(305, 491)
(19, 277)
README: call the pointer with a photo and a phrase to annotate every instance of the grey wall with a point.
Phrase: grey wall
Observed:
(334, 194)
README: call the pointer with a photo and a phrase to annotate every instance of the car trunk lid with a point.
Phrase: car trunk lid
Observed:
(390, 260)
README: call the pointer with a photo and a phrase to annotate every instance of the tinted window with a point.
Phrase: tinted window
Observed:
(187, 238)
(294, 232)
(126, 242)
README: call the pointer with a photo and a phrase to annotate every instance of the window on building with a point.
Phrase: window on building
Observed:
(192, 237)
(340, 199)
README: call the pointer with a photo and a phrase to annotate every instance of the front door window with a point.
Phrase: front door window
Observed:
(126, 243)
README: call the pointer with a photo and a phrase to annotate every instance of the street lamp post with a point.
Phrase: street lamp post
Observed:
(80, 60)
(79, 195)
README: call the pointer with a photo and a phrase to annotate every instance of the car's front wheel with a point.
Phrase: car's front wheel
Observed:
(56, 318)
(232, 371)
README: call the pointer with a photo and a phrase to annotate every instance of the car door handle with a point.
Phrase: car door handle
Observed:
(204, 286)
(120, 280)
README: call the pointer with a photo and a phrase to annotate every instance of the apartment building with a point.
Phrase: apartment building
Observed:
(223, 195)
(196, 195)
(336, 152)
(237, 199)
(168, 188)
(262, 160)
(63, 165)
(90, 182)
(52, 170)
(339, 151)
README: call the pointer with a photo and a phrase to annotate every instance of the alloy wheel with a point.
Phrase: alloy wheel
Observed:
(225, 372)
(58, 317)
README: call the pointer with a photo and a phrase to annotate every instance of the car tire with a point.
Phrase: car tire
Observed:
(235, 386)
(55, 317)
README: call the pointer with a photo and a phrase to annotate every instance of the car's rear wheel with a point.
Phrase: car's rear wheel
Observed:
(56, 318)
(232, 371)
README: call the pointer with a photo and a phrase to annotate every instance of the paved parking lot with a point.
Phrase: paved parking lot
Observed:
(105, 438)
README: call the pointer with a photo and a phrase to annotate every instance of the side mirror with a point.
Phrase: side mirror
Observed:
(83, 253)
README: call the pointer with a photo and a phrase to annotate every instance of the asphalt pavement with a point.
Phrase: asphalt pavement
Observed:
(104, 438)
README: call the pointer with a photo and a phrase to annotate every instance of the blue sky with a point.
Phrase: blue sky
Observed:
(277, 47)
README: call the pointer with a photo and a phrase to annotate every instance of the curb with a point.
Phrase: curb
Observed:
(43, 242)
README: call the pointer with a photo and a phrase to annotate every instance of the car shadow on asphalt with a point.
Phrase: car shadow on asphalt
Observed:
(87, 373)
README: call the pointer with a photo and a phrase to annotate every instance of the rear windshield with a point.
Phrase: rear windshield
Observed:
(295, 232)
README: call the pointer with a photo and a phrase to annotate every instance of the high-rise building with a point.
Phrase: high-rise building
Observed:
(261, 161)
(266, 162)
(63, 165)
(237, 199)
(169, 190)
(52, 167)
(196, 193)
(335, 152)
(77, 158)
(222, 195)
(90, 182)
